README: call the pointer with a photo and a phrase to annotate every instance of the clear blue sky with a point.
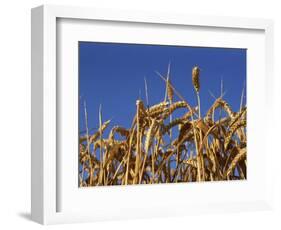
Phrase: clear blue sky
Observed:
(113, 74)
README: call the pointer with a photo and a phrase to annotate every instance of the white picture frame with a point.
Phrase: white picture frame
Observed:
(46, 197)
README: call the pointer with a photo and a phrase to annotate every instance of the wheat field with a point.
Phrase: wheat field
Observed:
(162, 147)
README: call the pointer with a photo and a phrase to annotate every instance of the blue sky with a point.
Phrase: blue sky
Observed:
(113, 74)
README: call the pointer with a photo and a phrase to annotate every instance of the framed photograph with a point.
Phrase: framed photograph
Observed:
(141, 114)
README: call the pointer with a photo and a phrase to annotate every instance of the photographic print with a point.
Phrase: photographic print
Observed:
(153, 114)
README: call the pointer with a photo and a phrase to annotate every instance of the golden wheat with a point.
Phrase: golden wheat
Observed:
(202, 148)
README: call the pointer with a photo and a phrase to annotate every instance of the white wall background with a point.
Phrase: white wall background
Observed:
(15, 112)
